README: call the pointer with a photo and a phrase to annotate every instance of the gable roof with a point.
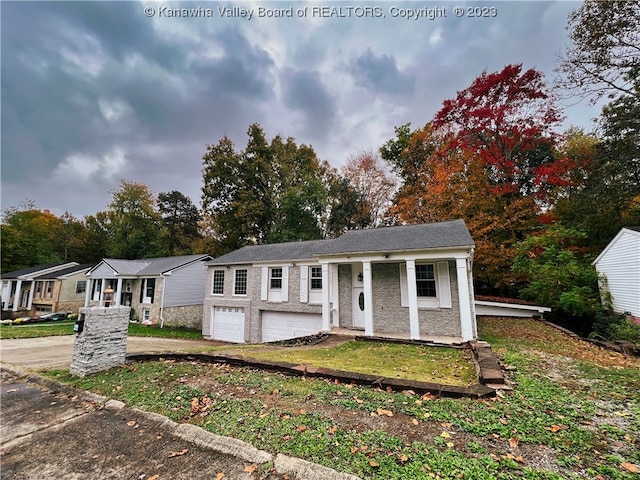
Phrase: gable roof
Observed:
(150, 266)
(32, 272)
(66, 271)
(633, 231)
(453, 233)
(426, 236)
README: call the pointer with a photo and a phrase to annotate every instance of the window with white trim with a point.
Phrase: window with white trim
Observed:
(316, 278)
(49, 289)
(426, 280)
(218, 282)
(275, 278)
(240, 282)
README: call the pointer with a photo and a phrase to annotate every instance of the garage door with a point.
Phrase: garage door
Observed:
(228, 324)
(285, 325)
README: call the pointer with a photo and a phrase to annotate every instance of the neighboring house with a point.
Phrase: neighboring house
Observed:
(167, 290)
(619, 269)
(44, 288)
(411, 282)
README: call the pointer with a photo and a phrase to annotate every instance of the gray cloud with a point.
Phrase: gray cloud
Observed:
(381, 74)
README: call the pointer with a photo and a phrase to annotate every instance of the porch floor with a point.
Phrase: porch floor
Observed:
(439, 339)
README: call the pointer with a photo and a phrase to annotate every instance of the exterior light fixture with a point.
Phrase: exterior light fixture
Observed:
(360, 278)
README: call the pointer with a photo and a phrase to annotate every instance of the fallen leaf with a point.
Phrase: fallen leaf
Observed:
(630, 467)
(155, 477)
(519, 459)
(131, 423)
(450, 444)
(250, 468)
(513, 442)
(220, 476)
(302, 411)
(556, 428)
(415, 422)
(388, 413)
(403, 458)
(302, 428)
(353, 450)
(178, 454)
(373, 463)
(333, 429)
(504, 422)
(445, 435)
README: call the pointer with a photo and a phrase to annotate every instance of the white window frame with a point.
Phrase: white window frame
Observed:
(236, 279)
(443, 286)
(214, 284)
(275, 278)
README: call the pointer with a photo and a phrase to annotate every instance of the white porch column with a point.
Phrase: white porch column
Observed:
(17, 296)
(6, 293)
(464, 296)
(335, 295)
(119, 292)
(326, 307)
(368, 299)
(412, 293)
(31, 292)
(87, 291)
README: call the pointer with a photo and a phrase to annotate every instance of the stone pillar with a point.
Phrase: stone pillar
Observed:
(102, 344)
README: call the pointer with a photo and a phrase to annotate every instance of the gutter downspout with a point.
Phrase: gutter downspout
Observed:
(164, 284)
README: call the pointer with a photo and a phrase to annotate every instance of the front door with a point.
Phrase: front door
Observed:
(358, 307)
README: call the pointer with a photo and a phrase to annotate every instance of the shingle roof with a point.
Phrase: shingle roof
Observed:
(66, 271)
(453, 233)
(32, 270)
(151, 266)
(449, 234)
(272, 252)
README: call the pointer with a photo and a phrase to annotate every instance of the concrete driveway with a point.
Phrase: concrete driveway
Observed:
(55, 352)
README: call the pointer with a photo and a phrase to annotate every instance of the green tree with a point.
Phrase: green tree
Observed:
(134, 223)
(559, 276)
(28, 237)
(269, 192)
(180, 218)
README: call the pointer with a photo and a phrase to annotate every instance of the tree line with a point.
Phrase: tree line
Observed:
(540, 202)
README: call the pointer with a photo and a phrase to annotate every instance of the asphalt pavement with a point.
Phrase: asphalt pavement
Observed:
(50, 430)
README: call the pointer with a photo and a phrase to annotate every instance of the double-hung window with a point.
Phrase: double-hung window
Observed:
(240, 282)
(316, 278)
(425, 280)
(276, 278)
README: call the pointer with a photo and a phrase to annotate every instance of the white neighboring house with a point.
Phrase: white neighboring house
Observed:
(166, 290)
(619, 269)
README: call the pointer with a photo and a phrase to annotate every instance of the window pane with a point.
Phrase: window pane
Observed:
(81, 286)
(240, 284)
(425, 281)
(316, 278)
(218, 282)
(276, 278)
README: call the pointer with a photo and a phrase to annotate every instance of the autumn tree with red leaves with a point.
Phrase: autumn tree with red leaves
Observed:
(488, 156)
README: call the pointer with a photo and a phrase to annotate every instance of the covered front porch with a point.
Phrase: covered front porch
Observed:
(424, 296)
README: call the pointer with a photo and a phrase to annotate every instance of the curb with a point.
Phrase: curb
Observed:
(283, 465)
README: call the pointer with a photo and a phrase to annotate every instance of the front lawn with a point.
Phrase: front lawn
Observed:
(34, 330)
(447, 366)
(574, 412)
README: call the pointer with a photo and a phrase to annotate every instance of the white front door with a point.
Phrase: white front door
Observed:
(358, 307)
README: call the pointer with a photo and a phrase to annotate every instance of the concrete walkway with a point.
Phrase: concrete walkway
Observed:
(55, 352)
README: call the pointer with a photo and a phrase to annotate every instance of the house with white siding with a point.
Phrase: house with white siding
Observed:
(411, 281)
(619, 269)
(167, 290)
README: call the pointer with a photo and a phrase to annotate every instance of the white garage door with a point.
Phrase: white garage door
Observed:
(228, 324)
(285, 325)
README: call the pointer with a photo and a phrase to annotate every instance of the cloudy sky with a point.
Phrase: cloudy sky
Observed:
(94, 92)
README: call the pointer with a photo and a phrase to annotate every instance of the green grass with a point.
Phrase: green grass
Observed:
(35, 330)
(447, 366)
(578, 411)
